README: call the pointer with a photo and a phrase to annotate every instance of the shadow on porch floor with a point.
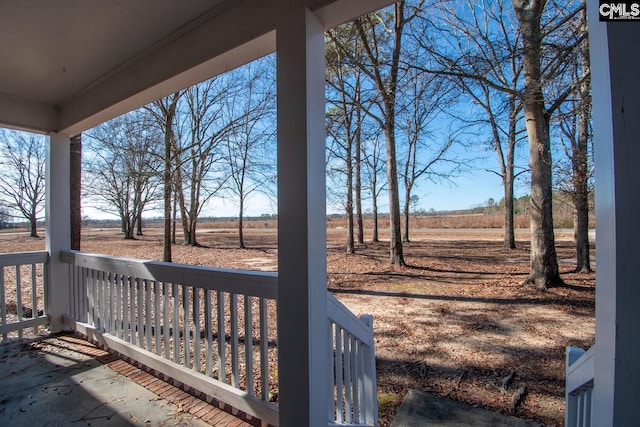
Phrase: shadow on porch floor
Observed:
(64, 380)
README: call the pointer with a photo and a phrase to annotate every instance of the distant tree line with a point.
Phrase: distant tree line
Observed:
(5, 218)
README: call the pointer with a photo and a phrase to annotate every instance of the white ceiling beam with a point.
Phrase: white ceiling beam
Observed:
(23, 114)
(89, 111)
(342, 11)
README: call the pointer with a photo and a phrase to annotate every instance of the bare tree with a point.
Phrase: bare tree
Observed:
(22, 175)
(204, 125)
(574, 122)
(540, 67)
(580, 159)
(544, 263)
(424, 157)
(387, 86)
(250, 144)
(124, 169)
(358, 177)
(341, 150)
(345, 121)
(502, 115)
(480, 52)
(380, 35)
(374, 166)
(164, 113)
(504, 142)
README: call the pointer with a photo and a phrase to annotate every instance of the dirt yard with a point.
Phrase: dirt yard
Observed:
(455, 322)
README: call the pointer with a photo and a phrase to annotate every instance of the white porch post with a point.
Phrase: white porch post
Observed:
(57, 208)
(302, 257)
(615, 67)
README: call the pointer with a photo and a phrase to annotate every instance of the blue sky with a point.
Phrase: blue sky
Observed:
(471, 189)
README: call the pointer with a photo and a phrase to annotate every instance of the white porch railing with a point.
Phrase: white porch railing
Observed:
(206, 328)
(579, 386)
(210, 329)
(352, 359)
(23, 292)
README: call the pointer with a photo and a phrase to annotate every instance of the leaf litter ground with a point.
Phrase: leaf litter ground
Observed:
(456, 321)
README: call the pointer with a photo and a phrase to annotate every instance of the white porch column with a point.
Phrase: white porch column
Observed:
(615, 67)
(57, 208)
(302, 271)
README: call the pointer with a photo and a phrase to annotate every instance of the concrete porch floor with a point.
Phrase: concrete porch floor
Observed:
(63, 380)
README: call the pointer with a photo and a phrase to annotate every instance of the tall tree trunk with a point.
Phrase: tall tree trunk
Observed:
(193, 213)
(509, 232)
(33, 226)
(507, 173)
(241, 224)
(396, 255)
(174, 221)
(581, 227)
(165, 118)
(129, 226)
(544, 263)
(387, 88)
(544, 271)
(167, 179)
(76, 190)
(166, 255)
(193, 219)
(581, 202)
(349, 208)
(139, 224)
(581, 223)
(350, 236)
(407, 213)
(184, 216)
(580, 163)
(374, 212)
(358, 186)
(396, 251)
(508, 179)
(509, 176)
(581, 235)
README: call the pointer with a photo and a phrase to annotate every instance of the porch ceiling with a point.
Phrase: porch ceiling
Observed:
(67, 65)
(72, 42)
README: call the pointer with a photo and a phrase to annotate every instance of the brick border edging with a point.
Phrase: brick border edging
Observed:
(198, 404)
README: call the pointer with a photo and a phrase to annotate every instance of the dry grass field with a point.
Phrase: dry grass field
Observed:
(454, 322)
